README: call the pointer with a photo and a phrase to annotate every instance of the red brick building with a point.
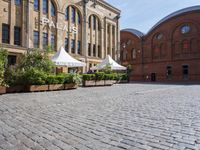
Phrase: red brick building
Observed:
(170, 51)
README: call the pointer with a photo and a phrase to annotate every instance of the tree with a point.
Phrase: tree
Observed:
(3, 63)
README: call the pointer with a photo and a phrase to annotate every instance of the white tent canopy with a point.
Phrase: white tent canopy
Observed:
(108, 61)
(62, 58)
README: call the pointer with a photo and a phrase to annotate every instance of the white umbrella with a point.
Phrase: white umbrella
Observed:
(62, 58)
(108, 61)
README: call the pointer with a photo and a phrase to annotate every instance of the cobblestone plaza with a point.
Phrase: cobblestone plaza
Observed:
(127, 116)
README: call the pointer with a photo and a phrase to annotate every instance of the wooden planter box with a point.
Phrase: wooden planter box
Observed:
(54, 87)
(70, 86)
(100, 83)
(15, 89)
(37, 88)
(123, 81)
(109, 82)
(2, 90)
(88, 83)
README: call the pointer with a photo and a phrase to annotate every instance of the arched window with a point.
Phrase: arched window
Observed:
(73, 15)
(53, 10)
(36, 5)
(67, 14)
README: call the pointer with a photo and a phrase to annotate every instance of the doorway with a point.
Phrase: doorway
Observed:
(153, 77)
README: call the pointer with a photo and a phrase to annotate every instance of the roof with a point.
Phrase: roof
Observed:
(179, 12)
(135, 32)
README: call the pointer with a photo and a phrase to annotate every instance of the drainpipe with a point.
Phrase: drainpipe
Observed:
(27, 24)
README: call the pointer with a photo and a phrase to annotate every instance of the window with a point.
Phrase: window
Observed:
(73, 15)
(53, 10)
(17, 35)
(17, 2)
(67, 14)
(89, 22)
(45, 40)
(89, 49)
(45, 6)
(99, 51)
(5, 33)
(185, 69)
(94, 22)
(94, 50)
(53, 44)
(73, 45)
(159, 36)
(169, 72)
(133, 53)
(12, 60)
(125, 55)
(36, 5)
(79, 18)
(66, 44)
(79, 47)
(185, 45)
(36, 39)
(185, 29)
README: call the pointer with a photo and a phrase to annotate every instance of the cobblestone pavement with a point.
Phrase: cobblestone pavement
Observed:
(128, 116)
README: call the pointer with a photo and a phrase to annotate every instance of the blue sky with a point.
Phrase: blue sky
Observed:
(143, 14)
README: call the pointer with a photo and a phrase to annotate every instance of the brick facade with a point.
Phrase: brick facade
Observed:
(170, 51)
(97, 23)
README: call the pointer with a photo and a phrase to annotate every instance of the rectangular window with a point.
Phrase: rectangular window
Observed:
(66, 44)
(36, 39)
(73, 46)
(169, 72)
(185, 69)
(99, 51)
(79, 47)
(11, 60)
(17, 2)
(45, 6)
(45, 40)
(53, 42)
(94, 50)
(89, 49)
(36, 5)
(5, 33)
(17, 35)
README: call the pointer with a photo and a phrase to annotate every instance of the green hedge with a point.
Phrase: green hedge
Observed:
(87, 77)
(102, 76)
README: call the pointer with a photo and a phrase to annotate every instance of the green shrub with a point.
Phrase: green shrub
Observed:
(87, 77)
(38, 60)
(34, 77)
(99, 76)
(3, 62)
(124, 76)
(72, 78)
(109, 77)
(55, 79)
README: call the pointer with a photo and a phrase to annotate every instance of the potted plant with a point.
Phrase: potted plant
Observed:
(71, 81)
(3, 62)
(123, 78)
(99, 78)
(35, 80)
(14, 80)
(88, 80)
(56, 82)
